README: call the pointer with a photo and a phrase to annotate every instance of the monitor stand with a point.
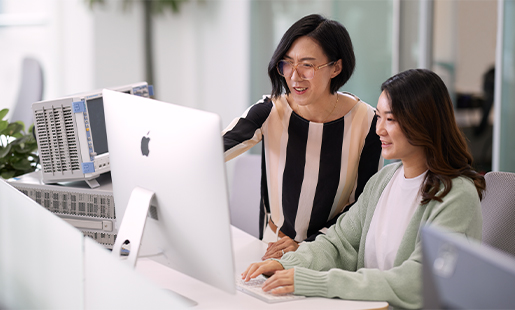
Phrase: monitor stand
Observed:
(93, 183)
(131, 232)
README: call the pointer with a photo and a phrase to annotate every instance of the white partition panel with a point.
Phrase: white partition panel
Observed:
(41, 262)
(109, 284)
(45, 263)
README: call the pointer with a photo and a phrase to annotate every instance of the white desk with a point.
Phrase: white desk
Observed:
(247, 249)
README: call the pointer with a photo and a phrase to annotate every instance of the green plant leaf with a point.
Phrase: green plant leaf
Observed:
(8, 174)
(4, 151)
(23, 164)
(18, 156)
(23, 148)
(22, 125)
(3, 125)
(12, 129)
(21, 139)
(3, 113)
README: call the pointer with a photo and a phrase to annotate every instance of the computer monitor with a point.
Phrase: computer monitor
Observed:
(463, 274)
(167, 161)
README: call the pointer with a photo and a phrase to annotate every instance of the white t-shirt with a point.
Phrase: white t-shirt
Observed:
(394, 210)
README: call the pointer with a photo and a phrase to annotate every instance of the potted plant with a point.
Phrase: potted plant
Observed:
(17, 148)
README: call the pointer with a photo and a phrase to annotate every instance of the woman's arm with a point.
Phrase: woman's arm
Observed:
(245, 131)
(370, 160)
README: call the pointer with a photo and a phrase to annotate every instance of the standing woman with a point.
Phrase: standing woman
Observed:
(374, 251)
(319, 145)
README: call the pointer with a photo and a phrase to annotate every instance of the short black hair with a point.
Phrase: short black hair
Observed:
(330, 35)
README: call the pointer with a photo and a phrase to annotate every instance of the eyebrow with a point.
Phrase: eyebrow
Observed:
(387, 112)
(302, 59)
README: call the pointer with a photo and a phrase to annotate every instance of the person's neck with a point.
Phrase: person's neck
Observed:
(319, 111)
(413, 168)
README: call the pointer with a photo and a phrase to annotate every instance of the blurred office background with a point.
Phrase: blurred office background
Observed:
(213, 54)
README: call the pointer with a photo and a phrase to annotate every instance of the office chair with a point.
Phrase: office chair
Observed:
(498, 207)
(245, 193)
(30, 91)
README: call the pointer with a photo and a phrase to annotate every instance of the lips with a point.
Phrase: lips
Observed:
(300, 90)
(385, 144)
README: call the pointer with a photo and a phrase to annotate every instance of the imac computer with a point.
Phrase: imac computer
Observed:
(169, 187)
(463, 274)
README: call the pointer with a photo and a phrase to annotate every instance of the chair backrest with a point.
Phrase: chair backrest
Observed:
(498, 207)
(245, 193)
(30, 91)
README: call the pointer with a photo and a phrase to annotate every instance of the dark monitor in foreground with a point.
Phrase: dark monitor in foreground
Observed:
(463, 274)
(167, 161)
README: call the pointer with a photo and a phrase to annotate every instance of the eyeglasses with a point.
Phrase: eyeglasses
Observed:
(306, 71)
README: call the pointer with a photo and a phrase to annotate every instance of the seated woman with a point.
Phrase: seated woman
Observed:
(373, 252)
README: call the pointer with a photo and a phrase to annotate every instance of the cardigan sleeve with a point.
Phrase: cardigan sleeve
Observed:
(324, 267)
(338, 248)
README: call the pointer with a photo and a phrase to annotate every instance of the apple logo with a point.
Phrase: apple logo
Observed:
(144, 145)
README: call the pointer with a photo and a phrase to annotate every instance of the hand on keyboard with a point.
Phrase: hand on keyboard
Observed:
(254, 288)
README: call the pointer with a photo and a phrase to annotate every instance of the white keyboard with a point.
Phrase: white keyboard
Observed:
(253, 288)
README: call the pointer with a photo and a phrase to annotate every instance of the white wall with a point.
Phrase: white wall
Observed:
(476, 40)
(465, 37)
(58, 34)
(201, 53)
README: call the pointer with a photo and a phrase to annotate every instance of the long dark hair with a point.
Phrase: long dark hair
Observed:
(421, 104)
(330, 35)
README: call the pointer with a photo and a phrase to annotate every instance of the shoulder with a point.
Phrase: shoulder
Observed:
(464, 186)
(462, 196)
(265, 104)
(459, 210)
(266, 100)
(362, 114)
(362, 104)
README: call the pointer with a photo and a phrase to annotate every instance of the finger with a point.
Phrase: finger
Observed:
(278, 246)
(267, 267)
(272, 254)
(278, 280)
(270, 244)
(284, 240)
(250, 273)
(292, 247)
(283, 290)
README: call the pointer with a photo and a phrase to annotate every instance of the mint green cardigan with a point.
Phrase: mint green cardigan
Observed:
(333, 264)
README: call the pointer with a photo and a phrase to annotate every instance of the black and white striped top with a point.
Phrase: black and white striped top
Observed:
(311, 172)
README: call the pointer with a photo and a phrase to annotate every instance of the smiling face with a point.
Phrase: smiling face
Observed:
(394, 143)
(308, 92)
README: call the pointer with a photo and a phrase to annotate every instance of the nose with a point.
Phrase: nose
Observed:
(295, 76)
(380, 130)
